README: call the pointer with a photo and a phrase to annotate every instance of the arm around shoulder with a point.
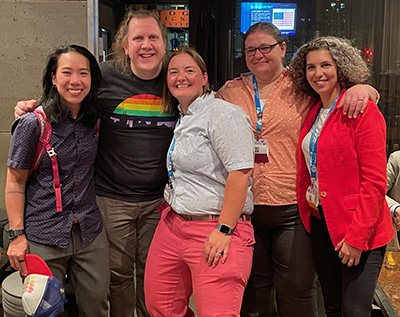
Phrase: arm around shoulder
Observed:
(355, 99)
(23, 107)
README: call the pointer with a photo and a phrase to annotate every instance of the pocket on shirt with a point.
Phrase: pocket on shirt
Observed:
(351, 202)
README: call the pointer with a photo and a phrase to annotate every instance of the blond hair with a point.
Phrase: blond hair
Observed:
(122, 61)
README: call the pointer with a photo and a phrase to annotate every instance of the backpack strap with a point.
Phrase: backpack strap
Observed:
(44, 146)
(97, 128)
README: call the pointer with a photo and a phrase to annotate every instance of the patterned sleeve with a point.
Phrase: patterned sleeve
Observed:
(232, 137)
(24, 141)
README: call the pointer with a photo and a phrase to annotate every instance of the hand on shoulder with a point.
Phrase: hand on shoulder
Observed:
(23, 107)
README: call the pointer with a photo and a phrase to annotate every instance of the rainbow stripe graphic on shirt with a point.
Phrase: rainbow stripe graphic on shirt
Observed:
(144, 108)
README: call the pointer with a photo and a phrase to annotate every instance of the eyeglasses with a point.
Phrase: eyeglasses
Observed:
(265, 49)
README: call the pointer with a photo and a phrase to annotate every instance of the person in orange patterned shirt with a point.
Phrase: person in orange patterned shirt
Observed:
(283, 274)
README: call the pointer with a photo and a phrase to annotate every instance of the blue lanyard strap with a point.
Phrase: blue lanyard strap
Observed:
(170, 151)
(313, 145)
(259, 110)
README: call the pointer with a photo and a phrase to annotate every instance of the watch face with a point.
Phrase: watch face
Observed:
(224, 229)
(12, 233)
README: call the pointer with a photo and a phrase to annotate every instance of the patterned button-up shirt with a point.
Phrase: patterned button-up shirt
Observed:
(213, 139)
(75, 144)
(284, 114)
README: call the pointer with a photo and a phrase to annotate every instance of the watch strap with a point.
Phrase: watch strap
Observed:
(225, 229)
(14, 233)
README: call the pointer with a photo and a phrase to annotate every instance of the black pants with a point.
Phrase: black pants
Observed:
(282, 281)
(347, 291)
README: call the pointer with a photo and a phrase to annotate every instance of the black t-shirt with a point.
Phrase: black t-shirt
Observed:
(134, 137)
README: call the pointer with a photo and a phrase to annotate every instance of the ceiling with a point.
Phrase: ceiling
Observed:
(116, 3)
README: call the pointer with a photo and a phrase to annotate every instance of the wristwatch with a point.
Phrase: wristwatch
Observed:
(225, 229)
(13, 233)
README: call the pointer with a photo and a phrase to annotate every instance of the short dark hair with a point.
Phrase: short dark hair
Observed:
(266, 27)
(51, 100)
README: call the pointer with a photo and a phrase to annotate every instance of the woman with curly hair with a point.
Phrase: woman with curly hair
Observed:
(341, 181)
(283, 274)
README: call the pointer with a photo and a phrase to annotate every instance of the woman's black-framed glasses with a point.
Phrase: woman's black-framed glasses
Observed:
(264, 49)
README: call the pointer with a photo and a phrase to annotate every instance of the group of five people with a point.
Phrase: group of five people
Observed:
(229, 153)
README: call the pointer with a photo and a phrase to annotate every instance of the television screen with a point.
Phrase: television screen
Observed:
(282, 15)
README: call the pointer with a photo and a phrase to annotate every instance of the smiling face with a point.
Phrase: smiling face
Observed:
(185, 79)
(72, 79)
(321, 73)
(268, 66)
(145, 47)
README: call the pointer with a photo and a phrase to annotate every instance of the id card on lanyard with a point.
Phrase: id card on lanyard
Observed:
(312, 192)
(261, 148)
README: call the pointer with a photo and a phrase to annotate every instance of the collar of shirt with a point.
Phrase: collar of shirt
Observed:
(67, 113)
(197, 104)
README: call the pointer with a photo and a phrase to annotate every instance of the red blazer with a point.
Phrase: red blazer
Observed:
(351, 158)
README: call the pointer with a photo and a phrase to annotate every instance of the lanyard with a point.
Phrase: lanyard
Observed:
(259, 110)
(170, 166)
(313, 145)
(171, 163)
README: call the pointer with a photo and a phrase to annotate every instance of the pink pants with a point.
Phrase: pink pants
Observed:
(176, 268)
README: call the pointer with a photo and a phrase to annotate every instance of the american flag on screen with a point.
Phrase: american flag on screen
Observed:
(283, 19)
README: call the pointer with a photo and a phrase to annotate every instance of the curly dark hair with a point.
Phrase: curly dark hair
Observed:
(351, 68)
(122, 61)
(51, 100)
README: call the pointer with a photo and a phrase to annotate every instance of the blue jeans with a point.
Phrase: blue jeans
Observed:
(347, 291)
(282, 280)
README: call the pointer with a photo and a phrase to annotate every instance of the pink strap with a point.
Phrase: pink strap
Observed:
(45, 135)
(44, 145)
(97, 128)
(56, 176)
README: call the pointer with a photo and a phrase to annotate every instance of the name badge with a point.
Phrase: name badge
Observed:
(261, 150)
(312, 197)
(168, 192)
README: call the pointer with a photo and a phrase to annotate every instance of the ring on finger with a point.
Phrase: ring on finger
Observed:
(360, 99)
(351, 261)
(20, 261)
(340, 254)
(219, 252)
